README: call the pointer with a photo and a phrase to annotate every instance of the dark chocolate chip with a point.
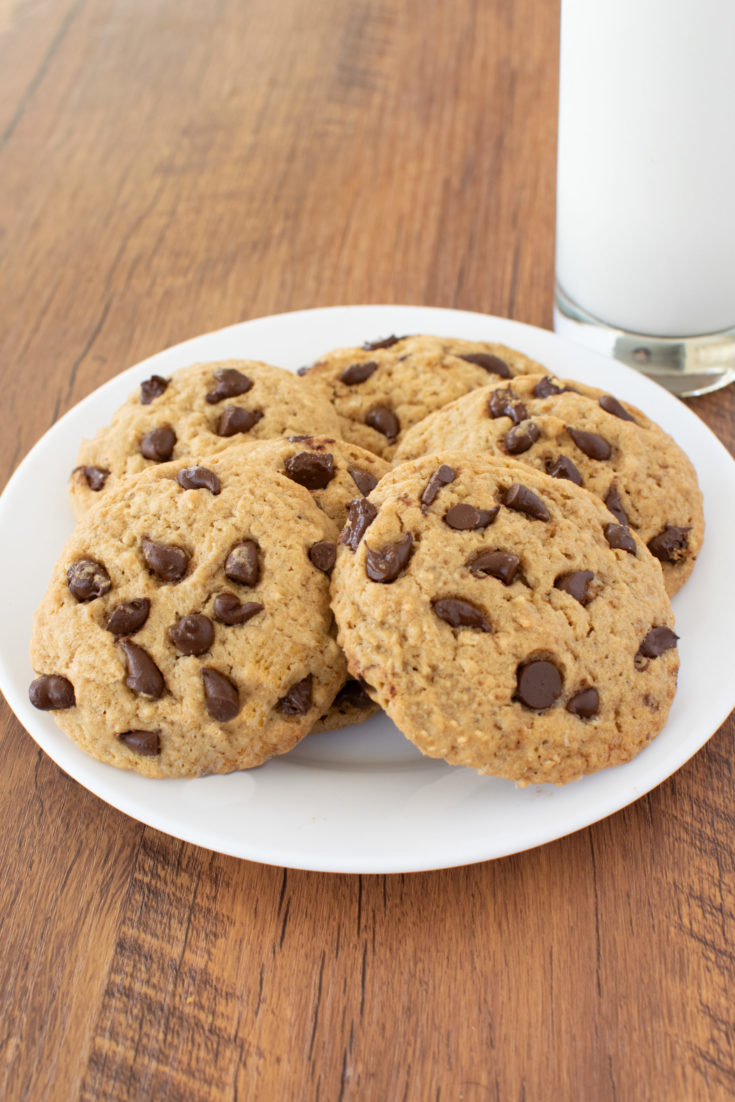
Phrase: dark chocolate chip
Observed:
(229, 382)
(610, 404)
(167, 561)
(364, 481)
(670, 545)
(314, 472)
(192, 634)
(386, 564)
(199, 478)
(615, 505)
(657, 641)
(221, 698)
(442, 476)
(88, 579)
(538, 684)
(304, 370)
(129, 617)
(242, 564)
(158, 444)
(548, 386)
(492, 364)
(95, 477)
(460, 614)
(466, 518)
(386, 342)
(297, 700)
(562, 467)
(593, 445)
(521, 437)
(323, 555)
(620, 538)
(233, 419)
(51, 692)
(575, 584)
(228, 610)
(358, 373)
(143, 675)
(352, 695)
(497, 564)
(383, 420)
(152, 388)
(585, 703)
(145, 743)
(523, 500)
(505, 403)
(360, 516)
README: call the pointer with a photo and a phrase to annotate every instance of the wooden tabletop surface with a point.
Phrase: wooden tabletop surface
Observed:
(168, 167)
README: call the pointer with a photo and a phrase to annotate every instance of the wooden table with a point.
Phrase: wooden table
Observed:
(172, 166)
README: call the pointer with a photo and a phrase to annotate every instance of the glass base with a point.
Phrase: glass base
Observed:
(684, 365)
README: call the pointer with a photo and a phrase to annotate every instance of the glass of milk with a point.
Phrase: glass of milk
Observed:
(645, 254)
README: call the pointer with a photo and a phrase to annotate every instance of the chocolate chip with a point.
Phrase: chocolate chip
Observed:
(51, 692)
(460, 614)
(158, 444)
(361, 515)
(166, 560)
(145, 743)
(297, 700)
(466, 518)
(612, 405)
(521, 437)
(575, 584)
(670, 545)
(386, 342)
(358, 373)
(383, 420)
(233, 419)
(523, 500)
(129, 617)
(492, 364)
(386, 564)
(538, 684)
(199, 478)
(364, 481)
(619, 537)
(562, 467)
(615, 505)
(497, 564)
(242, 564)
(657, 641)
(95, 477)
(442, 476)
(593, 445)
(221, 698)
(228, 610)
(88, 579)
(352, 695)
(323, 555)
(152, 388)
(192, 634)
(229, 383)
(304, 370)
(311, 471)
(585, 703)
(548, 386)
(504, 403)
(143, 675)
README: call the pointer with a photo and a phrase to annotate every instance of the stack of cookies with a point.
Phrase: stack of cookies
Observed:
(433, 526)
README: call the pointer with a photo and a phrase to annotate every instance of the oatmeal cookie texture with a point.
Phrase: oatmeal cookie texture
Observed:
(186, 628)
(385, 387)
(504, 619)
(196, 411)
(586, 436)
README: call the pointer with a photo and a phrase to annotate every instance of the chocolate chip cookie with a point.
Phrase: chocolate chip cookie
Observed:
(588, 437)
(186, 628)
(504, 619)
(384, 388)
(197, 411)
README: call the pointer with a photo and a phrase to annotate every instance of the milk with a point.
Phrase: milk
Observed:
(646, 170)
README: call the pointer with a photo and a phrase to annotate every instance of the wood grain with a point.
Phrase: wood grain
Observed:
(171, 167)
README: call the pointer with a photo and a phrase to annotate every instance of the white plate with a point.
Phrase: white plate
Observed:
(364, 799)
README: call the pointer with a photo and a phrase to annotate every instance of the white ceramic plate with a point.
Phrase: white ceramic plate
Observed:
(364, 799)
